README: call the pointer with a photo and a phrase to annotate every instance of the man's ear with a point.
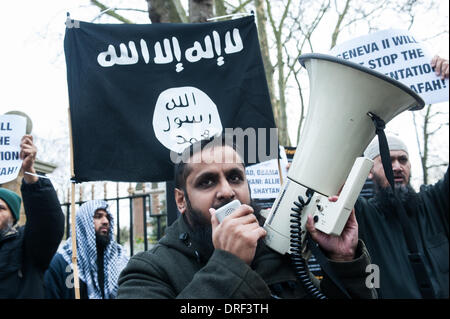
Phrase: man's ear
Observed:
(180, 200)
(370, 176)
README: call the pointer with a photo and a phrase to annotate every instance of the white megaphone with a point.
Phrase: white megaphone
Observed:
(337, 130)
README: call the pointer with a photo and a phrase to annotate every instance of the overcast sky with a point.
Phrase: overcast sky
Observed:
(33, 75)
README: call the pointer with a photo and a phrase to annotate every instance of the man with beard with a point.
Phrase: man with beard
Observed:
(100, 258)
(202, 258)
(26, 251)
(382, 227)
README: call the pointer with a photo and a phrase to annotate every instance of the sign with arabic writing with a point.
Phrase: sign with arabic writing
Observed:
(139, 93)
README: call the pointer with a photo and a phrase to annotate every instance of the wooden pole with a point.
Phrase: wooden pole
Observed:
(76, 280)
(279, 172)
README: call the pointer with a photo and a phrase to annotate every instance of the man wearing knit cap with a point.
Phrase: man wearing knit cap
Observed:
(26, 251)
(9, 210)
(401, 165)
(382, 221)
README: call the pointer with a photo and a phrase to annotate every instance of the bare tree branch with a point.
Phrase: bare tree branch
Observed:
(241, 7)
(337, 28)
(130, 9)
(110, 12)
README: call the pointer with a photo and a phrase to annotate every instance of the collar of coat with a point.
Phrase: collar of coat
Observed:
(12, 232)
(270, 265)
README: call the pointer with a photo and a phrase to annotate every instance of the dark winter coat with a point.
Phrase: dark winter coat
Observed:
(382, 232)
(25, 252)
(177, 268)
(58, 280)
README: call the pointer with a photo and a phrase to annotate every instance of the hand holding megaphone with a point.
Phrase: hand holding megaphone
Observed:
(337, 248)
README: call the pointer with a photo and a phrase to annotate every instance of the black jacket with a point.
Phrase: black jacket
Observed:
(382, 232)
(58, 280)
(178, 267)
(25, 252)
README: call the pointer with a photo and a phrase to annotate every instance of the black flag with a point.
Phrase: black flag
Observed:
(139, 92)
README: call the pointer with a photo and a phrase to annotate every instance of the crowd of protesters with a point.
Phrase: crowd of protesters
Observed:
(202, 258)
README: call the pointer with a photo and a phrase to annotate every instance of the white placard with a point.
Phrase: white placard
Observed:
(264, 178)
(12, 129)
(397, 54)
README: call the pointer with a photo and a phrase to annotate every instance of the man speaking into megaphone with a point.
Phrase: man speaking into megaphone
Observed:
(202, 258)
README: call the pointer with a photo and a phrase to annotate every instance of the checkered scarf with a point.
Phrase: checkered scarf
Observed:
(114, 258)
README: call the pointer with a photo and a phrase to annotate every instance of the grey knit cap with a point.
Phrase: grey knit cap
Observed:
(395, 144)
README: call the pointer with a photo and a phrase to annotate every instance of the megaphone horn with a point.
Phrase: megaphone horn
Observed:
(337, 130)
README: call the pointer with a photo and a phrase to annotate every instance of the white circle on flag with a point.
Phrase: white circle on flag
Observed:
(183, 116)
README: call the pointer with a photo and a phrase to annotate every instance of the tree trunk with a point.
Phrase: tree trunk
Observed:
(283, 134)
(280, 113)
(426, 138)
(261, 20)
(200, 10)
(221, 10)
(160, 11)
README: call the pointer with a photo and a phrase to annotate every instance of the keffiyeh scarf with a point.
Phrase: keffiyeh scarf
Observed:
(114, 258)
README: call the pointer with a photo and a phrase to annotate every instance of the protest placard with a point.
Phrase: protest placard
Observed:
(12, 129)
(399, 55)
(265, 179)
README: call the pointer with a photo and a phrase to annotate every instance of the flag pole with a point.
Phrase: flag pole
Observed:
(279, 172)
(76, 280)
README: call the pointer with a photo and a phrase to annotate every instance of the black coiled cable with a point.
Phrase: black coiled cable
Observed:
(299, 263)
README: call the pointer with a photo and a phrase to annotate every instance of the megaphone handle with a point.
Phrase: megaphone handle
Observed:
(333, 217)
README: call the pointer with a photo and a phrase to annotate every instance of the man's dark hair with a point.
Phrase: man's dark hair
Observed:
(182, 169)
